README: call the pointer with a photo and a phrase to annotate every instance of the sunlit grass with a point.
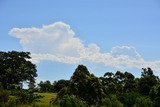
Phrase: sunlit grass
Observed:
(45, 101)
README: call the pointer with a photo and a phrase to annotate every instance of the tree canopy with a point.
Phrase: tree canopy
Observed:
(16, 68)
(119, 89)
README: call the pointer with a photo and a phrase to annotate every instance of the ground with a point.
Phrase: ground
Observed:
(46, 98)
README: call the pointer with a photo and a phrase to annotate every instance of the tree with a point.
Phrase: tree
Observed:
(129, 83)
(119, 77)
(58, 85)
(147, 80)
(45, 86)
(15, 68)
(129, 99)
(108, 82)
(143, 102)
(79, 80)
(120, 81)
(147, 72)
(111, 101)
(108, 77)
(155, 95)
(86, 86)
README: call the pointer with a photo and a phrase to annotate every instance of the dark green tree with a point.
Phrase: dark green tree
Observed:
(147, 80)
(15, 68)
(45, 86)
(120, 81)
(79, 80)
(108, 77)
(60, 84)
(155, 95)
(86, 86)
(108, 82)
(129, 99)
(143, 102)
(111, 101)
(129, 83)
(119, 77)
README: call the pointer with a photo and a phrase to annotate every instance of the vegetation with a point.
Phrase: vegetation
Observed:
(120, 89)
(45, 100)
(15, 68)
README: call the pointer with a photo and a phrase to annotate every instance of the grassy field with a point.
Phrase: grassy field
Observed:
(46, 99)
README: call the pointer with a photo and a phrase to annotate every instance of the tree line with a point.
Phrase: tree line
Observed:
(120, 89)
(83, 89)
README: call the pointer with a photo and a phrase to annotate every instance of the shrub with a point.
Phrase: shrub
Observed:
(11, 103)
(4, 96)
(70, 101)
(26, 96)
(111, 101)
(143, 102)
(129, 99)
(106, 102)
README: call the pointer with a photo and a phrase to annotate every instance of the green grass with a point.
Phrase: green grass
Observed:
(45, 101)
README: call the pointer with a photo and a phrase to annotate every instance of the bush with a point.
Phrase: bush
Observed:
(106, 102)
(143, 102)
(10, 103)
(4, 96)
(70, 101)
(26, 96)
(129, 99)
(111, 101)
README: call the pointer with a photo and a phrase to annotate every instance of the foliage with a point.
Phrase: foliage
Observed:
(15, 68)
(26, 96)
(129, 99)
(147, 81)
(143, 102)
(86, 86)
(4, 96)
(113, 90)
(60, 84)
(111, 101)
(155, 95)
(70, 101)
(120, 89)
(45, 86)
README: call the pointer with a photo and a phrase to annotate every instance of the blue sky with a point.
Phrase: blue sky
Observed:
(116, 34)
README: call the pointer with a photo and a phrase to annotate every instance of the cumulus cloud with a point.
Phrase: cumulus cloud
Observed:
(125, 50)
(57, 38)
(58, 42)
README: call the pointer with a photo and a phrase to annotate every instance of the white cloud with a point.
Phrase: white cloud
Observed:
(56, 38)
(125, 50)
(58, 42)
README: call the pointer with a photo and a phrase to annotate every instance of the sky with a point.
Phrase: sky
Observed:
(104, 35)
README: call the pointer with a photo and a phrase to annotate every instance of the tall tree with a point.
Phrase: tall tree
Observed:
(147, 80)
(16, 68)
(120, 81)
(129, 83)
(86, 86)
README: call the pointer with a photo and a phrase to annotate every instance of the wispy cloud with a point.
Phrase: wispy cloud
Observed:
(58, 42)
